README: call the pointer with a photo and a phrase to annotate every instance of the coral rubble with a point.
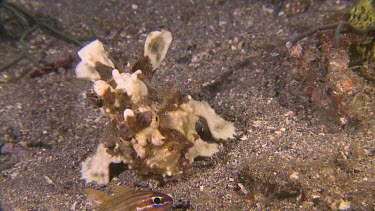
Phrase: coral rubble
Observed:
(152, 130)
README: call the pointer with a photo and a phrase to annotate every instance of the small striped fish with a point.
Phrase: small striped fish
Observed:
(129, 200)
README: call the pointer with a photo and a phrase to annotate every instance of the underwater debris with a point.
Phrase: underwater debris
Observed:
(339, 87)
(126, 199)
(361, 22)
(29, 23)
(153, 130)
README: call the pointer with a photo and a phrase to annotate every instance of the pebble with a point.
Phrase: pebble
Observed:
(201, 188)
(345, 205)
(243, 189)
(14, 174)
(48, 179)
(19, 106)
(134, 6)
(294, 176)
(74, 206)
(222, 23)
(244, 138)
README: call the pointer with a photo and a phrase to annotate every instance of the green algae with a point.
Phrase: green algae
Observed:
(362, 15)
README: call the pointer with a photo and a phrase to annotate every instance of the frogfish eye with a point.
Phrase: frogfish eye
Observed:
(157, 200)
